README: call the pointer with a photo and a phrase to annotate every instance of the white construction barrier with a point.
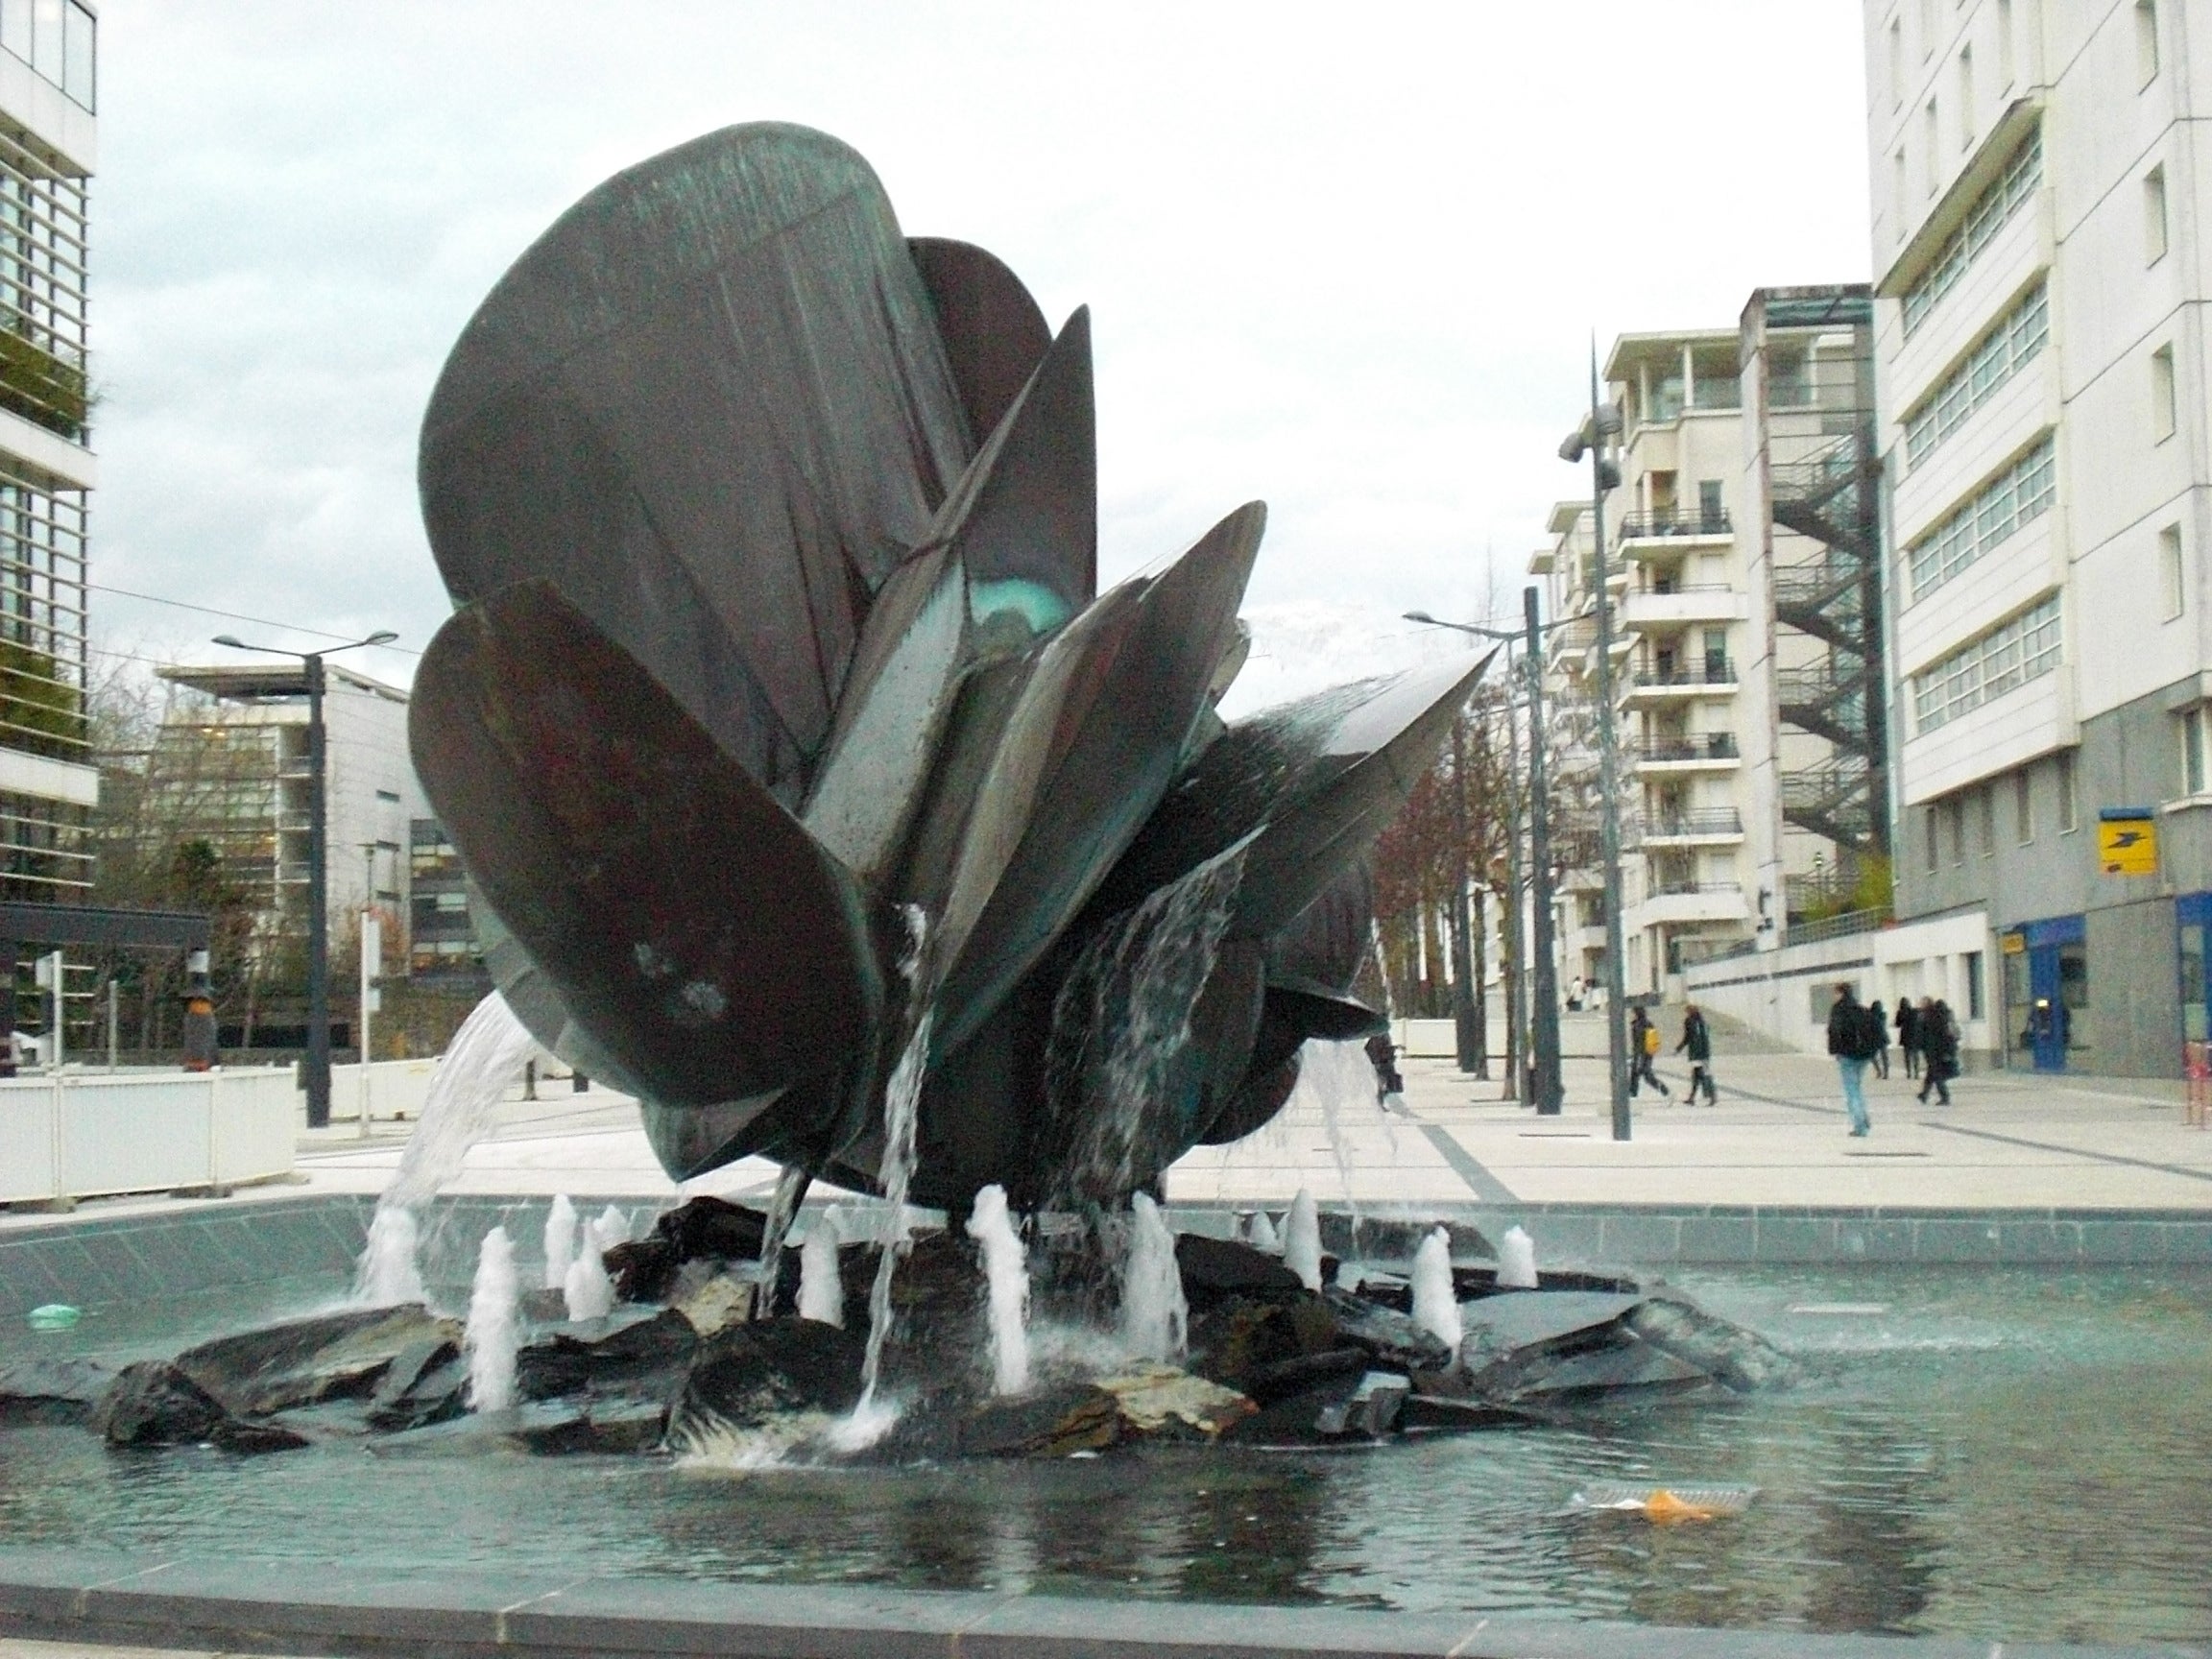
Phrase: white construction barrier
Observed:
(396, 1088)
(83, 1135)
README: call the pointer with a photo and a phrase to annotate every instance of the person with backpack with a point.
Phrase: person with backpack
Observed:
(1697, 1043)
(1643, 1050)
(1939, 1042)
(1908, 1036)
(1853, 1040)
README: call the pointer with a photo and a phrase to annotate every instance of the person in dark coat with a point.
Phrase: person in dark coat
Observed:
(1908, 1036)
(1882, 1024)
(1851, 1040)
(1643, 1050)
(1697, 1043)
(1939, 1043)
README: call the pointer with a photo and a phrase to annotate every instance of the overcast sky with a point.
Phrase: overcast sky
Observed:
(1346, 261)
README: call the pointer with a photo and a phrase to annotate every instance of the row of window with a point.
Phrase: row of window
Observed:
(59, 38)
(1945, 823)
(2006, 657)
(2016, 496)
(2008, 347)
(2019, 180)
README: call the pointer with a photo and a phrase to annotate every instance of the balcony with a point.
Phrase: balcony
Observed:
(1699, 752)
(1669, 532)
(1679, 901)
(1653, 610)
(1721, 826)
(1656, 688)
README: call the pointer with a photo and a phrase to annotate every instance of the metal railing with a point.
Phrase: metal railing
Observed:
(1665, 521)
(1718, 821)
(1839, 926)
(1674, 888)
(1704, 746)
(1711, 672)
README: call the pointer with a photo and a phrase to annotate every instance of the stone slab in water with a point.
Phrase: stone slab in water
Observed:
(627, 1425)
(750, 1373)
(1213, 1270)
(300, 1361)
(52, 1391)
(622, 1351)
(1388, 1335)
(1731, 1355)
(1054, 1422)
(153, 1403)
(422, 1384)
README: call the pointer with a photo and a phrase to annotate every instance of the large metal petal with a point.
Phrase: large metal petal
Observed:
(694, 929)
(995, 336)
(711, 404)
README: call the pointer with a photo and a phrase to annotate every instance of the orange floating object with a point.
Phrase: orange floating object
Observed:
(1663, 1506)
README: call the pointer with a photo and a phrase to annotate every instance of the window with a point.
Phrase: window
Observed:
(1974, 992)
(390, 795)
(57, 38)
(2024, 805)
(2154, 214)
(1985, 821)
(1712, 514)
(1896, 62)
(1932, 141)
(2003, 659)
(2163, 417)
(1955, 815)
(2069, 807)
(2173, 575)
(1966, 96)
(2003, 43)
(2192, 725)
(1928, 820)
(1901, 191)
(2014, 498)
(2146, 42)
(2011, 344)
(1992, 209)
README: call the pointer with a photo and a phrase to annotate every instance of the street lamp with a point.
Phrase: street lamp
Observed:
(1544, 993)
(1601, 424)
(311, 683)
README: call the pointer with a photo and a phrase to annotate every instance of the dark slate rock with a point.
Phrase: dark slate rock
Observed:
(1052, 1423)
(702, 1228)
(625, 1424)
(747, 1374)
(1626, 1366)
(1215, 1269)
(302, 1362)
(1732, 1356)
(1268, 1383)
(1505, 1324)
(153, 1403)
(1237, 1337)
(1369, 1411)
(630, 1350)
(1389, 1336)
(421, 1385)
(52, 1391)
(1429, 1413)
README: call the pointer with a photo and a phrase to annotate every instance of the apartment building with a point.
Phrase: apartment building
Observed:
(1743, 556)
(2041, 193)
(48, 149)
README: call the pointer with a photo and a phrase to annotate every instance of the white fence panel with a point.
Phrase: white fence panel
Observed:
(26, 1142)
(133, 1134)
(90, 1134)
(257, 1123)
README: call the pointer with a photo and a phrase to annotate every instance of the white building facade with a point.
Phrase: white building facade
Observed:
(2042, 191)
(48, 150)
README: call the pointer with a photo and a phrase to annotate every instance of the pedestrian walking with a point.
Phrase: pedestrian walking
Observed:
(1908, 1036)
(1939, 1042)
(1697, 1043)
(1882, 1024)
(1643, 1050)
(1852, 1041)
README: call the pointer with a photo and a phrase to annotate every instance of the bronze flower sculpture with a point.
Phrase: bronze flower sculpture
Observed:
(781, 727)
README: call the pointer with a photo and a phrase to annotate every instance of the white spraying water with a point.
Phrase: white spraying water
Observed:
(1330, 1076)
(588, 1292)
(901, 1111)
(1517, 1260)
(389, 1273)
(821, 1292)
(1263, 1234)
(609, 1228)
(559, 1240)
(1302, 1239)
(494, 1328)
(1155, 1318)
(1435, 1303)
(485, 1056)
(1007, 1269)
(1382, 970)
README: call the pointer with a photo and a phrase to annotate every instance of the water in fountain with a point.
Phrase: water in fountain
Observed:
(494, 1328)
(1263, 1234)
(1329, 1075)
(609, 1228)
(902, 1111)
(484, 1057)
(559, 1240)
(1005, 1266)
(1517, 1260)
(821, 1289)
(588, 1291)
(782, 1209)
(1302, 1239)
(1436, 1302)
(1155, 1319)
(389, 1273)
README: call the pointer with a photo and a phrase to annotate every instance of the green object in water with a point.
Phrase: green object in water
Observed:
(55, 1316)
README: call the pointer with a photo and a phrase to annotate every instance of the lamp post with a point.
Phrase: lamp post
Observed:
(311, 685)
(1601, 424)
(1543, 991)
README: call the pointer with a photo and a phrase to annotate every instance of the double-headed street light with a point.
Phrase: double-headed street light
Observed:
(310, 684)
(1598, 428)
(1544, 993)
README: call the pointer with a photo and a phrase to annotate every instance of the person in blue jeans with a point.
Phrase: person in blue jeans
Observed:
(1851, 1039)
